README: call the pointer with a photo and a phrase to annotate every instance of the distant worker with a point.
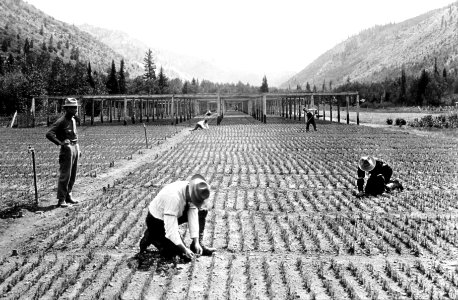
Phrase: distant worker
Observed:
(379, 177)
(201, 125)
(310, 115)
(177, 203)
(63, 133)
(218, 120)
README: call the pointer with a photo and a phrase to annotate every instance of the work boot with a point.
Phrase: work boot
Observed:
(70, 199)
(62, 203)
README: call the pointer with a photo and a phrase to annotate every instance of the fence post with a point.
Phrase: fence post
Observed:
(31, 150)
(348, 108)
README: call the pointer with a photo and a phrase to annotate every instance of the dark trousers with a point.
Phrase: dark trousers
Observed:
(310, 121)
(198, 126)
(376, 183)
(155, 234)
(68, 162)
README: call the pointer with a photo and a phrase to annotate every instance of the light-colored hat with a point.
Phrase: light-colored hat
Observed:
(199, 189)
(367, 163)
(69, 102)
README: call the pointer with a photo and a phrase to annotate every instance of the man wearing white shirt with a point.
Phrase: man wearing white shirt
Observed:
(177, 203)
(201, 125)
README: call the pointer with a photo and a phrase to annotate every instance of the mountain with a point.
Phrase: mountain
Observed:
(380, 52)
(20, 21)
(174, 64)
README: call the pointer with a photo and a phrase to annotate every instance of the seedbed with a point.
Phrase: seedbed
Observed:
(281, 213)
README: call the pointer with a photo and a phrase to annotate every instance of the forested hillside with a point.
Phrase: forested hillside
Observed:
(383, 54)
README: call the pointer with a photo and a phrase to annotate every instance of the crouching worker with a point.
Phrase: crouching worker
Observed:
(379, 177)
(201, 125)
(178, 202)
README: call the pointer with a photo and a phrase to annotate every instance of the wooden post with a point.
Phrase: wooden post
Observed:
(264, 108)
(330, 110)
(324, 109)
(338, 111)
(101, 111)
(218, 105)
(357, 109)
(92, 113)
(172, 111)
(111, 110)
(295, 111)
(125, 111)
(348, 109)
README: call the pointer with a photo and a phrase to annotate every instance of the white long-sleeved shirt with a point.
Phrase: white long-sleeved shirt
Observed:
(203, 124)
(169, 204)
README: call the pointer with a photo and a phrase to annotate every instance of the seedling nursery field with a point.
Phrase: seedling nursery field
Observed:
(282, 214)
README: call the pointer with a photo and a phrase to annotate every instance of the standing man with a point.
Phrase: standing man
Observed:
(63, 133)
(178, 202)
(310, 114)
(379, 177)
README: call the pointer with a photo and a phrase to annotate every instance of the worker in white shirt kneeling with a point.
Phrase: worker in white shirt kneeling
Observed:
(201, 125)
(177, 203)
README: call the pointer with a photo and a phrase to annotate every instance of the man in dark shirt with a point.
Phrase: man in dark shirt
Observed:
(310, 114)
(379, 177)
(63, 134)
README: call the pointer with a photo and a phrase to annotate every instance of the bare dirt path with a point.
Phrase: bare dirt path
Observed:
(33, 225)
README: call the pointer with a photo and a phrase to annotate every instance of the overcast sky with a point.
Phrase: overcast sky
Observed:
(254, 35)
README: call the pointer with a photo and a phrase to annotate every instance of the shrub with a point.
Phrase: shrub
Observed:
(400, 122)
(389, 121)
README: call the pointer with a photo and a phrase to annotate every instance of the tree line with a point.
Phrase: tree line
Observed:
(429, 88)
(27, 74)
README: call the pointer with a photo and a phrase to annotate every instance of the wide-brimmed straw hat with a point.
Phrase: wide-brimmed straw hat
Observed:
(199, 189)
(367, 163)
(70, 102)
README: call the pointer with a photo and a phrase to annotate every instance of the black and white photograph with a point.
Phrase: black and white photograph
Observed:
(229, 149)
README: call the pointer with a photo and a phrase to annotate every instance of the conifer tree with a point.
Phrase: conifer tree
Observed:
(26, 46)
(112, 83)
(264, 86)
(307, 87)
(122, 79)
(90, 79)
(150, 73)
(162, 82)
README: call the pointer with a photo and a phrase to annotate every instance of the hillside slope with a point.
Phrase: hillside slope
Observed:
(381, 51)
(20, 21)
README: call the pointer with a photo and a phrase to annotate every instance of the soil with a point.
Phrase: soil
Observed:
(28, 224)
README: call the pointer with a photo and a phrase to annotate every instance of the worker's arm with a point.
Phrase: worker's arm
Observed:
(52, 133)
(171, 232)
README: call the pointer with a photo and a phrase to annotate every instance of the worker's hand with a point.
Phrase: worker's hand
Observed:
(360, 194)
(188, 253)
(198, 248)
(79, 150)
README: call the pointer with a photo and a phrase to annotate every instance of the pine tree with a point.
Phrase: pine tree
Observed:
(307, 87)
(150, 73)
(41, 30)
(90, 79)
(5, 45)
(162, 82)
(184, 90)
(26, 46)
(323, 88)
(403, 88)
(112, 83)
(264, 86)
(122, 79)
